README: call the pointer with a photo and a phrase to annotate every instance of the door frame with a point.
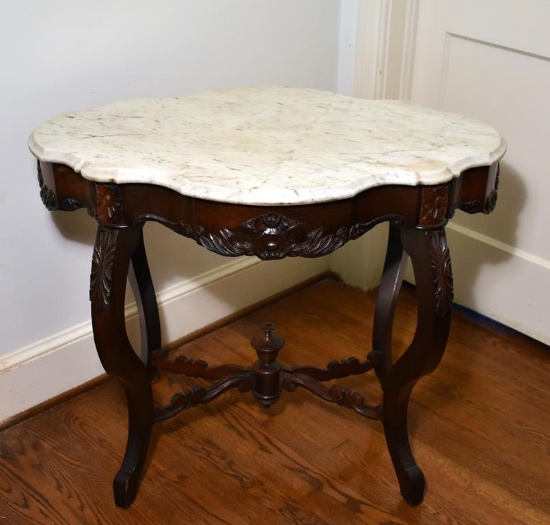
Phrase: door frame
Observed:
(384, 62)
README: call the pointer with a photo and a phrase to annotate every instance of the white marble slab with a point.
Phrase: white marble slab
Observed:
(267, 145)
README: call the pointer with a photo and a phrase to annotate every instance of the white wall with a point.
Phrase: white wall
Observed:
(61, 55)
(436, 54)
(348, 46)
(500, 74)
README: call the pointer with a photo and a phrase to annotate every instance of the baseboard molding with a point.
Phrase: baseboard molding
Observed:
(498, 245)
(501, 282)
(46, 369)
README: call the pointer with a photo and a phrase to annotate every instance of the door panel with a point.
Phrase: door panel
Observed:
(491, 60)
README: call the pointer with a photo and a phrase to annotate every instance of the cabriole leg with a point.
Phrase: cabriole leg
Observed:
(390, 285)
(432, 269)
(144, 294)
(113, 251)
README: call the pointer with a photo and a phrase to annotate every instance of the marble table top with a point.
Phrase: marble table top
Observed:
(266, 145)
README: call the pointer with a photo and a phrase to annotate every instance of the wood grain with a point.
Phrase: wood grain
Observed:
(480, 429)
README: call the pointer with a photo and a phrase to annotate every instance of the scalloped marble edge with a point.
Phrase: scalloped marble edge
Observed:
(268, 193)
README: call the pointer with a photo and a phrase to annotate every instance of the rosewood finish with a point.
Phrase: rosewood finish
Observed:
(417, 217)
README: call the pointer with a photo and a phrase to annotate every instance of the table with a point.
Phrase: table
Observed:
(269, 172)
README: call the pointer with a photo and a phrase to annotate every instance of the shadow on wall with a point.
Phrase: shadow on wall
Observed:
(76, 226)
(172, 258)
(471, 252)
(502, 224)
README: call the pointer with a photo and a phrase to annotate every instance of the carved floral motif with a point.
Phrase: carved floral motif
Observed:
(443, 276)
(435, 203)
(108, 206)
(101, 278)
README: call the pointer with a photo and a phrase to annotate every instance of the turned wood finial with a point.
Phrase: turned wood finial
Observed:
(267, 370)
(266, 343)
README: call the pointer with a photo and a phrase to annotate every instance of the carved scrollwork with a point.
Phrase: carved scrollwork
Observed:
(333, 394)
(198, 395)
(488, 205)
(269, 236)
(434, 207)
(72, 205)
(101, 278)
(195, 367)
(48, 197)
(491, 201)
(50, 200)
(337, 369)
(443, 276)
(471, 207)
(351, 399)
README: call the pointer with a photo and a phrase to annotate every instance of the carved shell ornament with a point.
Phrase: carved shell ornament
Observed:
(268, 236)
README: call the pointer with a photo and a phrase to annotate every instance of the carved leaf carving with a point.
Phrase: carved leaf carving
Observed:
(48, 197)
(440, 258)
(101, 278)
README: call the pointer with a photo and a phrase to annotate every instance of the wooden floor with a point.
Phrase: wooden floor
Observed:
(480, 429)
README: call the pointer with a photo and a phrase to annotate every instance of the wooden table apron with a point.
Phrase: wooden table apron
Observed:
(417, 217)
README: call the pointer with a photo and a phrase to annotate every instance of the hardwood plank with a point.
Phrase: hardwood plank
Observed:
(479, 428)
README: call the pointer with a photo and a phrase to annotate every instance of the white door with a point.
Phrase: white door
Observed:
(491, 59)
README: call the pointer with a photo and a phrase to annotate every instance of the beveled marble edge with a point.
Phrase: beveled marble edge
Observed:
(266, 192)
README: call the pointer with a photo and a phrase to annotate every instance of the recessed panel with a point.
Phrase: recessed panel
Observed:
(510, 90)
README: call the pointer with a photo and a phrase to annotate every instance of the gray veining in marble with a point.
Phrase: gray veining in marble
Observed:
(267, 145)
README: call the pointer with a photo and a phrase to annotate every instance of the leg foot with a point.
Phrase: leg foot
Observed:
(125, 487)
(412, 486)
(409, 476)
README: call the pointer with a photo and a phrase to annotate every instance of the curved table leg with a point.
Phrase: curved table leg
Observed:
(432, 268)
(390, 285)
(113, 251)
(144, 293)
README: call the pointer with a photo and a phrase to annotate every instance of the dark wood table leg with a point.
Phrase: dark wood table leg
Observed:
(114, 248)
(144, 294)
(432, 269)
(390, 285)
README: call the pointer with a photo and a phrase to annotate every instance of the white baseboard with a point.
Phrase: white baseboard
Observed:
(499, 281)
(41, 371)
